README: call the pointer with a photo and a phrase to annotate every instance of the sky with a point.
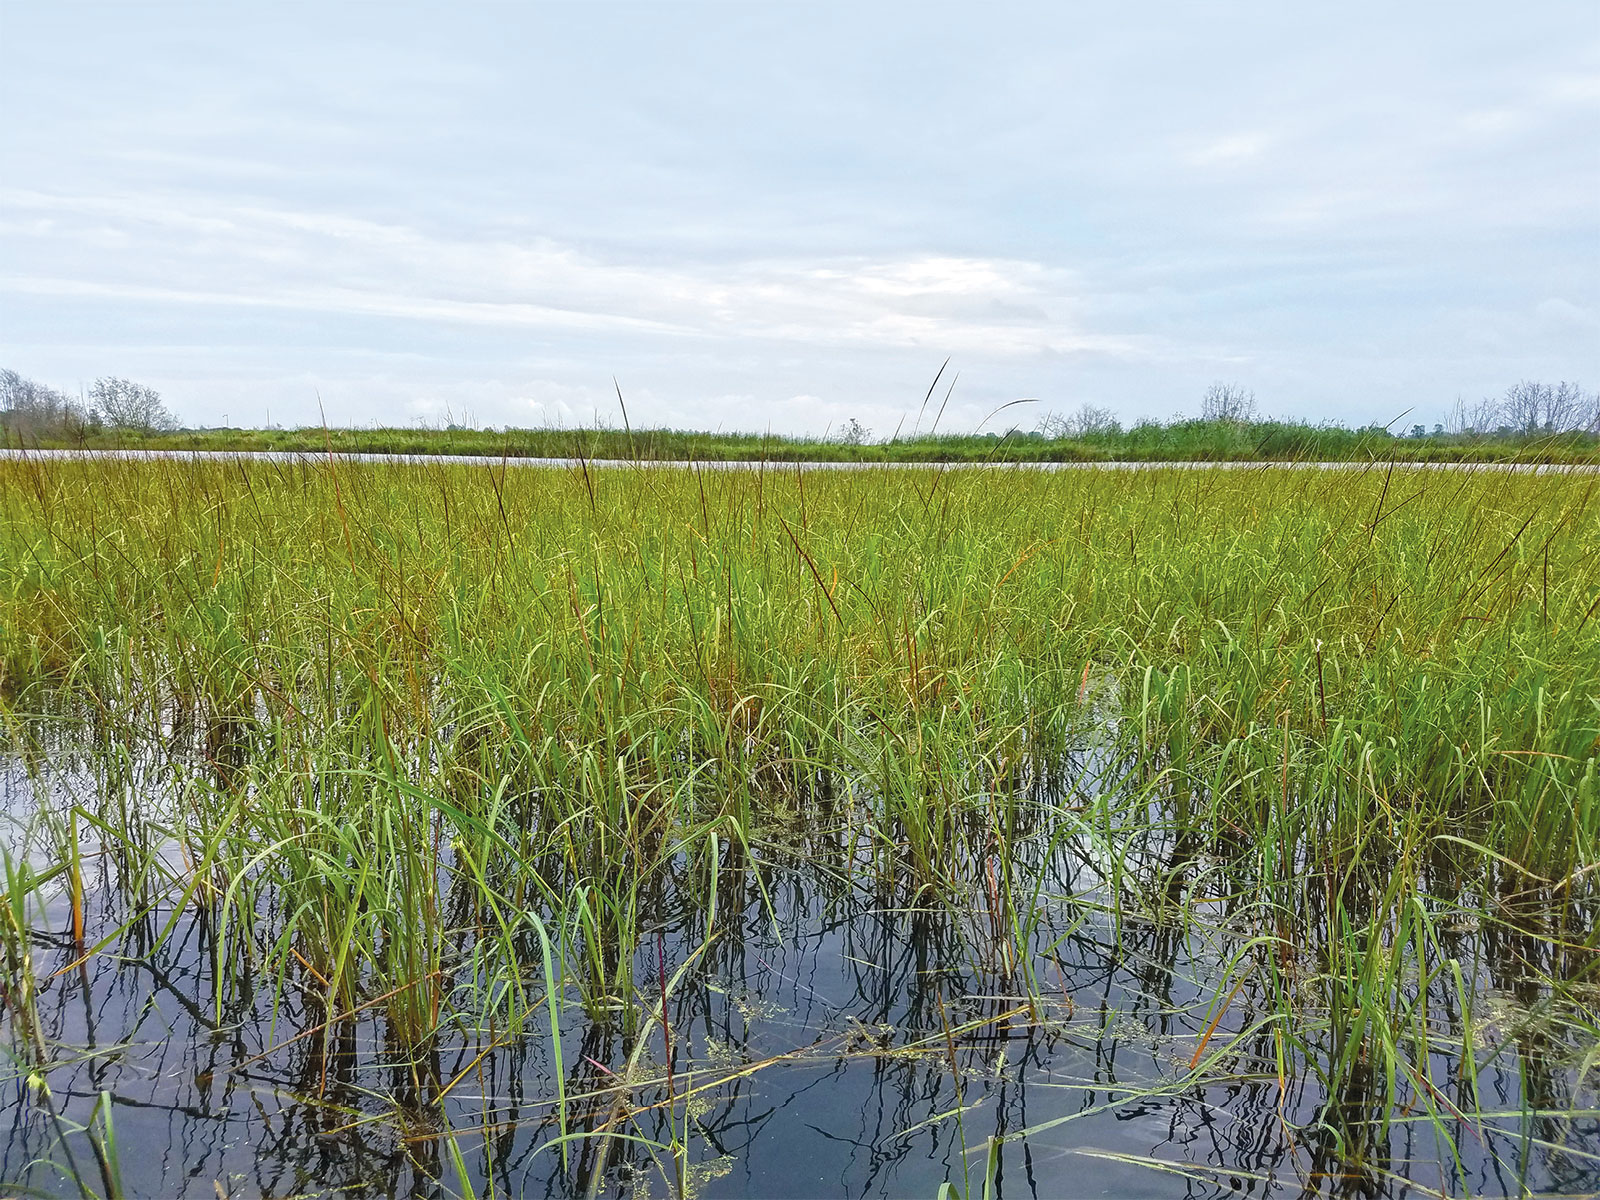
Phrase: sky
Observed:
(775, 216)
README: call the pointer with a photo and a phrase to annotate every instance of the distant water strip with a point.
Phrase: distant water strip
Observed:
(311, 458)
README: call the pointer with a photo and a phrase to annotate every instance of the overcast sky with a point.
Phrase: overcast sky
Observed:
(783, 215)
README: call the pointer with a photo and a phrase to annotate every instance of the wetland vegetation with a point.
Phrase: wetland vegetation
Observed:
(456, 830)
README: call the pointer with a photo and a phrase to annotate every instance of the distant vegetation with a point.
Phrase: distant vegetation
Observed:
(33, 413)
(1530, 422)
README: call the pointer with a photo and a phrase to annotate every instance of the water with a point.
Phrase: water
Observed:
(839, 1033)
(317, 458)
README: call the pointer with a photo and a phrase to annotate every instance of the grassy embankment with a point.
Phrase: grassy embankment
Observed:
(445, 744)
(1202, 441)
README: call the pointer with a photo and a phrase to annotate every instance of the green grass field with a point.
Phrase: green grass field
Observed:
(446, 746)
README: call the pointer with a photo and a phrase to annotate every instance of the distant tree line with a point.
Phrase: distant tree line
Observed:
(35, 411)
(1530, 407)
(1526, 409)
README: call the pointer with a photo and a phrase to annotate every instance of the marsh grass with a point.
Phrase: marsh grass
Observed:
(444, 751)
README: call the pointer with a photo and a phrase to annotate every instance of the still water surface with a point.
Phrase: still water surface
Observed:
(834, 1037)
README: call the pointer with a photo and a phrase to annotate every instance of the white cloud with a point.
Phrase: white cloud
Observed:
(335, 264)
(1231, 150)
(1559, 312)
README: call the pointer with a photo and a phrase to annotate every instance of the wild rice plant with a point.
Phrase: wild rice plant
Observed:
(449, 747)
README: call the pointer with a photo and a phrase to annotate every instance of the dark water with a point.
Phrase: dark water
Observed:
(835, 1038)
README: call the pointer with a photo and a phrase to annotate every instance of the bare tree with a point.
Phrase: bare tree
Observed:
(1530, 406)
(1572, 410)
(1088, 420)
(1479, 416)
(34, 409)
(1525, 405)
(124, 404)
(1228, 402)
